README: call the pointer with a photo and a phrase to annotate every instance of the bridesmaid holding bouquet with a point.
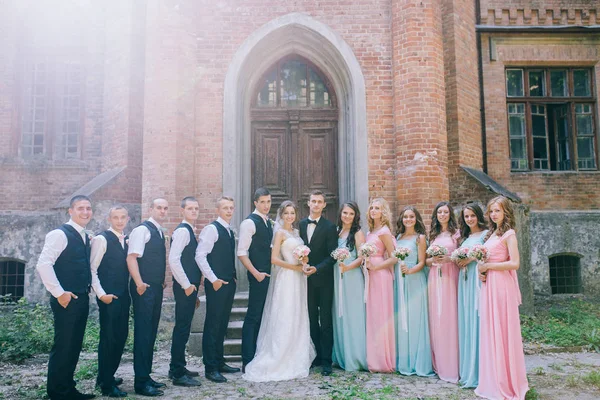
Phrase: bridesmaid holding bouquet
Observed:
(381, 340)
(502, 363)
(472, 232)
(349, 313)
(442, 292)
(412, 324)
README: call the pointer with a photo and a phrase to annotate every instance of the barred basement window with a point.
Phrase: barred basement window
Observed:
(551, 119)
(12, 279)
(565, 274)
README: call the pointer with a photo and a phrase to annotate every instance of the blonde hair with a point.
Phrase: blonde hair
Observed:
(509, 216)
(386, 214)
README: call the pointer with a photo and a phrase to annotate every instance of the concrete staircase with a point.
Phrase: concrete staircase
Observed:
(233, 339)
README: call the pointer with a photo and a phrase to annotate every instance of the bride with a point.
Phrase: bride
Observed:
(284, 348)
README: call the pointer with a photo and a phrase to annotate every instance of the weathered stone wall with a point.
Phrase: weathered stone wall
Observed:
(566, 232)
(22, 238)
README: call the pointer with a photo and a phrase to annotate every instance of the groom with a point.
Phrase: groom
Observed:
(320, 235)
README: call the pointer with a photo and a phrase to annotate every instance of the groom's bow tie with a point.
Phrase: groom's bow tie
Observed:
(312, 221)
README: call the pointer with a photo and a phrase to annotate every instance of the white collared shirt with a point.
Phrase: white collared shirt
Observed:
(247, 230)
(55, 243)
(181, 238)
(206, 241)
(140, 236)
(99, 246)
(310, 229)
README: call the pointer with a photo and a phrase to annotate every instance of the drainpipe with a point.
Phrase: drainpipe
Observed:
(481, 91)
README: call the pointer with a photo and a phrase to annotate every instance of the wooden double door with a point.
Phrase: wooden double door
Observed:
(294, 152)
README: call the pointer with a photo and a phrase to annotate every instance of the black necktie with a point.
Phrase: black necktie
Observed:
(310, 221)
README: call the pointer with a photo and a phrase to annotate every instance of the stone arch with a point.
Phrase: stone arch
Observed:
(295, 34)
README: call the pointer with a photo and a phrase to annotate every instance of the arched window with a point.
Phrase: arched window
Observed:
(565, 274)
(12, 279)
(294, 83)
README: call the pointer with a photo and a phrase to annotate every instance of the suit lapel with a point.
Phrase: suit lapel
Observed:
(303, 230)
(317, 229)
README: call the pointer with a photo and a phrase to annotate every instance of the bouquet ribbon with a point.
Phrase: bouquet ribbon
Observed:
(340, 295)
(366, 275)
(439, 292)
(402, 302)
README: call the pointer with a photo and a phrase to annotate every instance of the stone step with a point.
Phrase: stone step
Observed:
(234, 330)
(232, 347)
(240, 300)
(238, 314)
(233, 359)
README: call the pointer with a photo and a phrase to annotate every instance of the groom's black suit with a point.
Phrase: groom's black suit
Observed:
(320, 286)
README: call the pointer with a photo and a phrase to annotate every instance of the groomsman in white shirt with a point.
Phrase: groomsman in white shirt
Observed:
(146, 261)
(216, 257)
(186, 278)
(64, 266)
(110, 281)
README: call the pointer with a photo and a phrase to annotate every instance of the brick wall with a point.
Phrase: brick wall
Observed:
(548, 12)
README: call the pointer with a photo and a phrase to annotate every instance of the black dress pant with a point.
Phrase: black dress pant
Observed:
(320, 303)
(114, 329)
(184, 313)
(69, 328)
(256, 303)
(218, 310)
(146, 316)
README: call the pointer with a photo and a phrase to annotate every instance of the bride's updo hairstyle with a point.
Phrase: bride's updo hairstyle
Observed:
(281, 210)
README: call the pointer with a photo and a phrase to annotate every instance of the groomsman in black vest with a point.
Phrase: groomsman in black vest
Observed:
(216, 257)
(320, 235)
(186, 278)
(254, 251)
(110, 281)
(64, 266)
(146, 261)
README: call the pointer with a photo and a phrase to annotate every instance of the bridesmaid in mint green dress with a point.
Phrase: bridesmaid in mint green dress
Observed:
(412, 322)
(349, 315)
(472, 232)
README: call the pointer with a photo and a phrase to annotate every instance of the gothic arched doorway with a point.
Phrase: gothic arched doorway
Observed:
(294, 119)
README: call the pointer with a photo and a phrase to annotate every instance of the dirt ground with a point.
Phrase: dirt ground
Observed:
(557, 376)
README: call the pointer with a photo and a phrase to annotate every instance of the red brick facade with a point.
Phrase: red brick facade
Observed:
(154, 82)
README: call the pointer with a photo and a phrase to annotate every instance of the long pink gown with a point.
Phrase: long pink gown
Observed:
(443, 312)
(501, 360)
(381, 338)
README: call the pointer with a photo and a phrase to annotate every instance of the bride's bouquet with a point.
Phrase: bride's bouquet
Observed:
(300, 252)
(401, 253)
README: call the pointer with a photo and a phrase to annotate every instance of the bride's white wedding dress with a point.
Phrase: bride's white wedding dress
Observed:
(284, 349)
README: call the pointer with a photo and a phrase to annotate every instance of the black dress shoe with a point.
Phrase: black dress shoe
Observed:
(326, 370)
(187, 381)
(77, 395)
(215, 376)
(187, 372)
(113, 391)
(224, 368)
(149, 391)
(156, 385)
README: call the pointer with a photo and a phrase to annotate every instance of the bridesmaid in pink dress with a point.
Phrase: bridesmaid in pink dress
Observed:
(502, 362)
(381, 339)
(443, 294)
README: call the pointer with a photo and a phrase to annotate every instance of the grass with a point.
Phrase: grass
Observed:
(86, 369)
(592, 378)
(564, 322)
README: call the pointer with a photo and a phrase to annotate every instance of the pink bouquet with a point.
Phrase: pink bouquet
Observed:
(479, 252)
(367, 250)
(300, 252)
(340, 254)
(462, 253)
(436, 250)
(401, 253)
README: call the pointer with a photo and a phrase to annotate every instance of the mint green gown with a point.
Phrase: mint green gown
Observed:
(414, 350)
(349, 329)
(468, 318)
